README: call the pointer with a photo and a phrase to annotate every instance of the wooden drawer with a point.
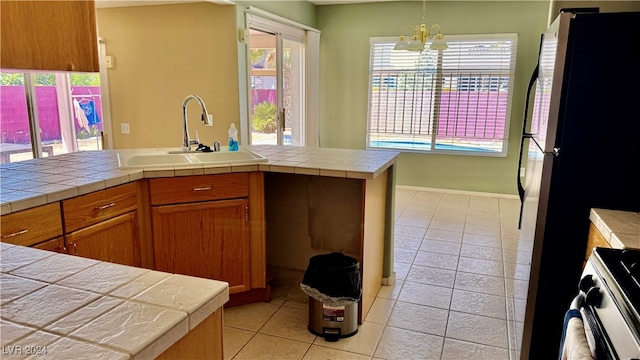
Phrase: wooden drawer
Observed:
(85, 210)
(29, 227)
(198, 188)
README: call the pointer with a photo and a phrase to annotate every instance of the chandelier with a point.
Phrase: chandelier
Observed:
(417, 41)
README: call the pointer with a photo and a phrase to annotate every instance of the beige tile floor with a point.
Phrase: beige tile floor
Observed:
(460, 291)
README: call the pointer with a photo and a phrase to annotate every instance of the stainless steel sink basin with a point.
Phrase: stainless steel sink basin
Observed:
(132, 159)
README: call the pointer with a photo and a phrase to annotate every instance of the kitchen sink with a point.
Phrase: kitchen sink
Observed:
(133, 159)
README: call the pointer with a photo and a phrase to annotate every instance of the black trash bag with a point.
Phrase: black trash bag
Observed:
(333, 279)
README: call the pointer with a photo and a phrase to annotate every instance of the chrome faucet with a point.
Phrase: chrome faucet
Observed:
(186, 141)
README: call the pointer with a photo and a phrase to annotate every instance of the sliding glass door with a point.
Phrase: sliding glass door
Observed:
(46, 114)
(277, 93)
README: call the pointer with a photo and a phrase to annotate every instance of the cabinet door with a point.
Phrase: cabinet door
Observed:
(115, 240)
(56, 245)
(209, 240)
(49, 35)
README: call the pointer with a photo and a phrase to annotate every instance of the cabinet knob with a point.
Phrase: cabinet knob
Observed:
(70, 66)
(74, 246)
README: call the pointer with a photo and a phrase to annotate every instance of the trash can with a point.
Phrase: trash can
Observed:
(333, 284)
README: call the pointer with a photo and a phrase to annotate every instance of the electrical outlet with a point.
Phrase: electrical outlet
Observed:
(124, 128)
(209, 120)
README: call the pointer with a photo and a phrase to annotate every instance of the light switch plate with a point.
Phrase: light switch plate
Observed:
(109, 62)
(124, 128)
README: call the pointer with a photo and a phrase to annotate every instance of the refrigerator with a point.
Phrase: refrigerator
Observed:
(580, 149)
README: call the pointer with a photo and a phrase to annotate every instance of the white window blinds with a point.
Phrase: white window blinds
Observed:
(456, 100)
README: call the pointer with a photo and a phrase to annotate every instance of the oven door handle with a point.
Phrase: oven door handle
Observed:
(604, 347)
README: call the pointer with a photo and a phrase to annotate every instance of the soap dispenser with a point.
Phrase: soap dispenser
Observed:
(233, 138)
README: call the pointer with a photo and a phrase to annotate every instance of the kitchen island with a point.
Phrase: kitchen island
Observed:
(299, 203)
(66, 307)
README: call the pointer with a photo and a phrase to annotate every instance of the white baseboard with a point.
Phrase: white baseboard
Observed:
(460, 192)
(391, 280)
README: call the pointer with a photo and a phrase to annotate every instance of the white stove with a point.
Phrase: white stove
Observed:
(611, 285)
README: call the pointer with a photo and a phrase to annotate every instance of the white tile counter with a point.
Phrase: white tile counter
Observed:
(36, 182)
(620, 228)
(68, 307)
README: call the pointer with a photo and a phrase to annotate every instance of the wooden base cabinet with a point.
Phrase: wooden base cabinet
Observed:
(595, 239)
(211, 226)
(114, 240)
(202, 342)
(209, 240)
(104, 225)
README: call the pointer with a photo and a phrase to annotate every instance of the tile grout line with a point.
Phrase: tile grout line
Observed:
(455, 277)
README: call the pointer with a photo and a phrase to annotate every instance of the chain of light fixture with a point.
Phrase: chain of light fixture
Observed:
(420, 35)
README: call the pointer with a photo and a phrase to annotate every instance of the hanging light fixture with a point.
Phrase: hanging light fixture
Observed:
(421, 33)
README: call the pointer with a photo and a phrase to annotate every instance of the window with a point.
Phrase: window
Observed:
(455, 101)
(65, 108)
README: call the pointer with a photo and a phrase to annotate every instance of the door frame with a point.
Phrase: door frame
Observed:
(310, 38)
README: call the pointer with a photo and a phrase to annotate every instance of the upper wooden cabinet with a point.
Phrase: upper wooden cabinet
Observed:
(49, 35)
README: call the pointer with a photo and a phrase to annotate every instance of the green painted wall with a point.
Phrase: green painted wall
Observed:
(344, 73)
(299, 11)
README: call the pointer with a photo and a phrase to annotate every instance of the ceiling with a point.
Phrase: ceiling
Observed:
(124, 3)
(337, 2)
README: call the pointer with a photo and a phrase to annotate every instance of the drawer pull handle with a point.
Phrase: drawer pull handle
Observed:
(104, 206)
(20, 232)
(75, 249)
(204, 188)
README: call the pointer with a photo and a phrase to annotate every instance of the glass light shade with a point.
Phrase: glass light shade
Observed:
(415, 45)
(438, 43)
(401, 45)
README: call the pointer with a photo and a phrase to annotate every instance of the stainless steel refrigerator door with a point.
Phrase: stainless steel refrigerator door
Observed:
(542, 133)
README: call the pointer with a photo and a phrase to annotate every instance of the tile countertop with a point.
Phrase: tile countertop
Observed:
(31, 183)
(620, 228)
(88, 309)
